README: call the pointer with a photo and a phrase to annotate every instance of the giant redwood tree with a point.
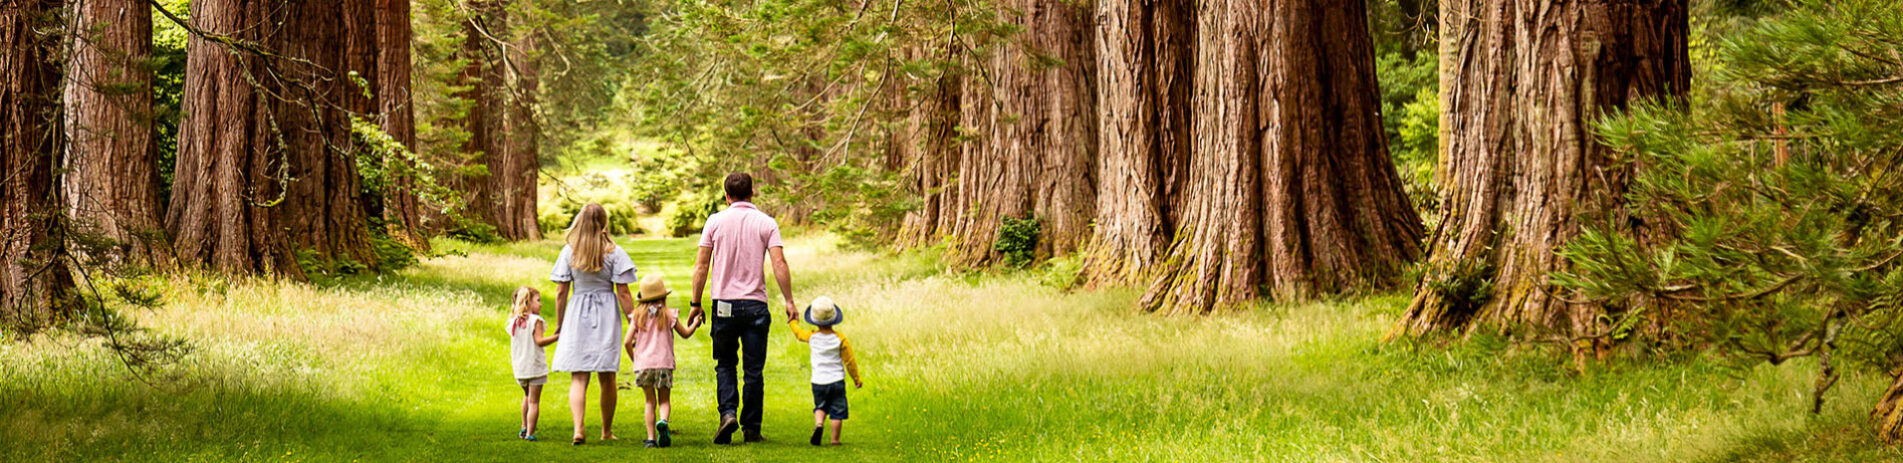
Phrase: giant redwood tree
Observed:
(1289, 186)
(266, 174)
(1144, 65)
(1521, 83)
(1029, 103)
(397, 110)
(112, 175)
(34, 279)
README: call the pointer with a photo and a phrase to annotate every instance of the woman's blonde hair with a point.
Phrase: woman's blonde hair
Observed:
(523, 296)
(588, 239)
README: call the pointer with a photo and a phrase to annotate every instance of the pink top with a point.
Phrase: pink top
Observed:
(654, 345)
(740, 237)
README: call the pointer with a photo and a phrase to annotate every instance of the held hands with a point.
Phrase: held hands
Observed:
(858, 385)
(791, 313)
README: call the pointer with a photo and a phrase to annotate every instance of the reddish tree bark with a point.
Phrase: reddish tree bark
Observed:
(1143, 92)
(1290, 187)
(1521, 83)
(398, 119)
(483, 78)
(112, 175)
(35, 283)
(933, 159)
(521, 164)
(1030, 104)
(262, 181)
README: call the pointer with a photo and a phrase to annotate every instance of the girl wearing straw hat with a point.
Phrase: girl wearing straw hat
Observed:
(832, 361)
(650, 345)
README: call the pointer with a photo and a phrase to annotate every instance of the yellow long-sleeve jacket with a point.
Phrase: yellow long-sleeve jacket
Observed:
(832, 357)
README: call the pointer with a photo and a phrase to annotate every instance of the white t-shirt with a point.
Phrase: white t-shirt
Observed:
(828, 366)
(529, 360)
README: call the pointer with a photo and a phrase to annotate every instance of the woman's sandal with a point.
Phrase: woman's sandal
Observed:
(580, 440)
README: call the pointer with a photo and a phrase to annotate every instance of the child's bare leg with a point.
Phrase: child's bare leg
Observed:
(532, 411)
(666, 405)
(819, 417)
(608, 395)
(578, 400)
(836, 425)
(647, 414)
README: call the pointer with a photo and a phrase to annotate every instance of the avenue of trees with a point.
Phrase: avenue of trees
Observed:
(1608, 177)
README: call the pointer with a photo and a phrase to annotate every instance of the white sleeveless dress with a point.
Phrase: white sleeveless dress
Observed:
(591, 333)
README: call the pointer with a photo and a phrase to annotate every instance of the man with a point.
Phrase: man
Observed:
(735, 245)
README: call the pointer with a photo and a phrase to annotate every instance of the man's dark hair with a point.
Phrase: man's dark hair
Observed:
(740, 186)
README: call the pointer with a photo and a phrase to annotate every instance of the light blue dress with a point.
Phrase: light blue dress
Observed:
(591, 331)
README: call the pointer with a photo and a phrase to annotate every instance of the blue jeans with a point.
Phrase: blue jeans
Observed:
(741, 339)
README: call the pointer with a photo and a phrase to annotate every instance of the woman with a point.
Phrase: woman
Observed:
(592, 277)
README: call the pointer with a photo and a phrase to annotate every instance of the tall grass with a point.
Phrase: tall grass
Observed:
(959, 366)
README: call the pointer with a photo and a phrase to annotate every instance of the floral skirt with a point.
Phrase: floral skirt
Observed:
(658, 378)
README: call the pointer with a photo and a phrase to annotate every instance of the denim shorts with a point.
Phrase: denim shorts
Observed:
(831, 398)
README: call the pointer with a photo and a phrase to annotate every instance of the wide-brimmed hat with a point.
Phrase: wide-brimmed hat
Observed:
(823, 312)
(653, 288)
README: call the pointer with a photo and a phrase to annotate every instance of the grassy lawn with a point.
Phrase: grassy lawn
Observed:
(414, 366)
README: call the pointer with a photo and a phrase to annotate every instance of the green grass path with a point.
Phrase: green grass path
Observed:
(414, 367)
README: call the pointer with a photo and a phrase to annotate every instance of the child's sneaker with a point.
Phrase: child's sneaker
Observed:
(660, 430)
(647, 443)
(818, 432)
(522, 434)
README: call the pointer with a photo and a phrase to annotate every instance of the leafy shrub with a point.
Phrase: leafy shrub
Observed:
(691, 213)
(1017, 241)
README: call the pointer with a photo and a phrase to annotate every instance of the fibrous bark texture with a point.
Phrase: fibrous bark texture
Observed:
(266, 176)
(401, 209)
(1521, 83)
(1289, 184)
(1030, 104)
(1144, 66)
(35, 282)
(112, 175)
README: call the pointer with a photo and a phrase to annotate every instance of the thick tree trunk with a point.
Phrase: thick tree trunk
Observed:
(1521, 83)
(1030, 104)
(35, 282)
(1144, 62)
(934, 161)
(1290, 186)
(483, 81)
(1067, 198)
(401, 209)
(112, 175)
(522, 164)
(266, 182)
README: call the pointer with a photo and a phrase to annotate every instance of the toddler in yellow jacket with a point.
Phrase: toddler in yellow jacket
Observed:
(832, 361)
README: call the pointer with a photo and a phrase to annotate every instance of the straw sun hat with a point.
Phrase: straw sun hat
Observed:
(823, 312)
(653, 288)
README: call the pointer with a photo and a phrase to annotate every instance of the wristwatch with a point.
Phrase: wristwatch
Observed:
(694, 304)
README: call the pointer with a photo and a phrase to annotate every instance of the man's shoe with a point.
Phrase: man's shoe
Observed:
(753, 435)
(728, 424)
(818, 432)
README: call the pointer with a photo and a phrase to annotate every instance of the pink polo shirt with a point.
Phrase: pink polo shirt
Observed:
(740, 237)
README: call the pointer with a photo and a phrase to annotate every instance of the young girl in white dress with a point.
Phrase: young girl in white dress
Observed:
(592, 277)
(528, 355)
